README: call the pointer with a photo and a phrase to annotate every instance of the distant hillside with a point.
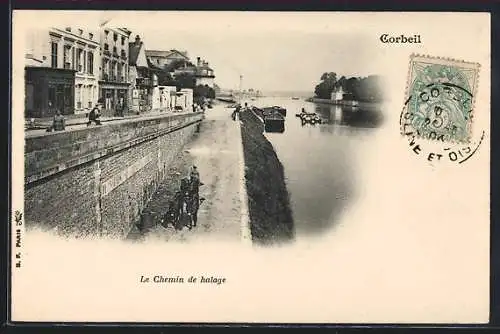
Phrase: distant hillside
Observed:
(302, 94)
(287, 93)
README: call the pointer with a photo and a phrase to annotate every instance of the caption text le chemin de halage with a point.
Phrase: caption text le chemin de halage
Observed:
(176, 279)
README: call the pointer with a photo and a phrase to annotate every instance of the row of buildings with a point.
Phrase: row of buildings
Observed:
(70, 69)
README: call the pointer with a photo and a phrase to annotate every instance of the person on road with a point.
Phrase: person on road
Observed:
(194, 178)
(184, 185)
(236, 113)
(94, 115)
(59, 122)
(119, 109)
(194, 175)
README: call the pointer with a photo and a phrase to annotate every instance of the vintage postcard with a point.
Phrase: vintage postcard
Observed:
(270, 167)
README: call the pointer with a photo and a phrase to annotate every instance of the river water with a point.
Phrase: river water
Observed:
(320, 167)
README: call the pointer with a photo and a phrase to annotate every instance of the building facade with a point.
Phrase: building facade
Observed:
(64, 53)
(337, 94)
(114, 70)
(48, 90)
(204, 74)
(140, 75)
(162, 59)
(80, 49)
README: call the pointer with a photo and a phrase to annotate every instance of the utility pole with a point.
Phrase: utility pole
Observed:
(241, 85)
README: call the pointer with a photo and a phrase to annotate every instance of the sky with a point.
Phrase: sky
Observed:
(272, 51)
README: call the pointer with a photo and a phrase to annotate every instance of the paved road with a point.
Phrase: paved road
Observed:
(217, 152)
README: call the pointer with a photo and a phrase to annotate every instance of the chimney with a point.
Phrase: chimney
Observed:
(198, 60)
(137, 40)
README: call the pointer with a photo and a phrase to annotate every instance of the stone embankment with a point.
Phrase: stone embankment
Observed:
(271, 220)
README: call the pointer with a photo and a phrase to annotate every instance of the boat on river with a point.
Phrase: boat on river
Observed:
(311, 118)
(274, 122)
(273, 109)
(273, 118)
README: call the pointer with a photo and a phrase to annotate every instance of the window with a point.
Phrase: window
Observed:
(68, 29)
(52, 96)
(91, 35)
(123, 40)
(79, 60)
(54, 55)
(106, 47)
(105, 69)
(120, 73)
(113, 71)
(68, 96)
(67, 62)
(80, 31)
(90, 63)
(78, 93)
(115, 37)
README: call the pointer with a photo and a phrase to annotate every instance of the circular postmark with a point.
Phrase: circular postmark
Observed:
(438, 112)
(440, 105)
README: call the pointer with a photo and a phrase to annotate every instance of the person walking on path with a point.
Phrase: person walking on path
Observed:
(94, 115)
(59, 122)
(236, 113)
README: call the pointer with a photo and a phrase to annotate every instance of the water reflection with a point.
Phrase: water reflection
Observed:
(317, 160)
(364, 116)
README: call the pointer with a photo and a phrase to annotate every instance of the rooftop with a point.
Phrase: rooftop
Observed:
(160, 53)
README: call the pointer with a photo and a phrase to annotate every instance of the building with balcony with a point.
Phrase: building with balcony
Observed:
(114, 69)
(204, 74)
(80, 49)
(61, 71)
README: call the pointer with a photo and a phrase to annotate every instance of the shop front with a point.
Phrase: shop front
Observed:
(49, 90)
(115, 98)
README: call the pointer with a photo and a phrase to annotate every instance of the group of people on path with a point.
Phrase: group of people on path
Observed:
(59, 121)
(183, 208)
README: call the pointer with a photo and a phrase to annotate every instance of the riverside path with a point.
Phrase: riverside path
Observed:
(217, 152)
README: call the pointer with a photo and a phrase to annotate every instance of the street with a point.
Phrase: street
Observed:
(217, 153)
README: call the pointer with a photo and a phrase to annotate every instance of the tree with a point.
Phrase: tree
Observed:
(185, 80)
(165, 78)
(360, 89)
(177, 64)
(327, 85)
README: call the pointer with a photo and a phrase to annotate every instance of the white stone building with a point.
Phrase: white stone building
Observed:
(68, 48)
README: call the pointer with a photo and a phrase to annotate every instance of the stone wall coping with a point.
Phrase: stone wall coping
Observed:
(71, 162)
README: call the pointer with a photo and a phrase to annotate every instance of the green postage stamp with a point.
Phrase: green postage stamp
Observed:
(439, 99)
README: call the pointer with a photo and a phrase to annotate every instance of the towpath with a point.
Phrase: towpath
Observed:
(217, 152)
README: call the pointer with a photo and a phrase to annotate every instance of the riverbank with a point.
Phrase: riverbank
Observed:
(360, 104)
(225, 99)
(271, 220)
